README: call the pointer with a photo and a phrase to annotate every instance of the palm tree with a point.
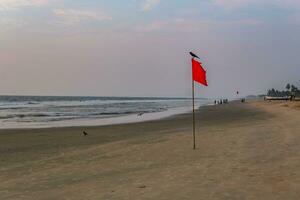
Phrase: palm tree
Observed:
(293, 91)
(293, 88)
(288, 87)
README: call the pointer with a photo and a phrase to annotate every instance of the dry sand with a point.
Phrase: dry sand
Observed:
(244, 151)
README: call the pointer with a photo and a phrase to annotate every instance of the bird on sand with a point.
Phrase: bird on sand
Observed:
(140, 114)
(84, 133)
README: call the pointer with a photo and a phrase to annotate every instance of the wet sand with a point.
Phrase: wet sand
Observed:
(244, 151)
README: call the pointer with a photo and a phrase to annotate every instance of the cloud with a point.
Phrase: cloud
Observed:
(178, 25)
(242, 22)
(15, 4)
(149, 4)
(154, 26)
(71, 16)
(183, 25)
(294, 18)
(289, 3)
(234, 4)
(11, 23)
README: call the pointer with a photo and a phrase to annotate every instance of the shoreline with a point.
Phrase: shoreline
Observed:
(51, 112)
(95, 126)
(121, 120)
(118, 120)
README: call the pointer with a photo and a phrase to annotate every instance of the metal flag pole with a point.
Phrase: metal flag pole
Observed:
(194, 134)
(193, 92)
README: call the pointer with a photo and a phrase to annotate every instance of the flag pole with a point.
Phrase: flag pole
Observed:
(194, 135)
(198, 75)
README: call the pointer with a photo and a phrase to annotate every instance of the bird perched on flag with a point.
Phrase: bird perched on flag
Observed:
(194, 55)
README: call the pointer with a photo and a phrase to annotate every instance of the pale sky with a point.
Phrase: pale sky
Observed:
(140, 47)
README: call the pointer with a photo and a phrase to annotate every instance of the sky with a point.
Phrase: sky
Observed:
(140, 47)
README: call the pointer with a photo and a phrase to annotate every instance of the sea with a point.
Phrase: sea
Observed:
(18, 112)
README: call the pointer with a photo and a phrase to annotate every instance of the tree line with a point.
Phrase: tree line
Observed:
(291, 91)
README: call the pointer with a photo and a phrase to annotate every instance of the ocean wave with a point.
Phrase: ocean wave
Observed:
(63, 115)
(41, 111)
(9, 116)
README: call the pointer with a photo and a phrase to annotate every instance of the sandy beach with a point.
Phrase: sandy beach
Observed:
(244, 151)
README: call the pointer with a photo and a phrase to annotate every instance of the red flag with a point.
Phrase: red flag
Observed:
(199, 74)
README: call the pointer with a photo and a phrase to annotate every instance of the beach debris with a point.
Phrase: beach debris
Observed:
(85, 133)
(142, 186)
